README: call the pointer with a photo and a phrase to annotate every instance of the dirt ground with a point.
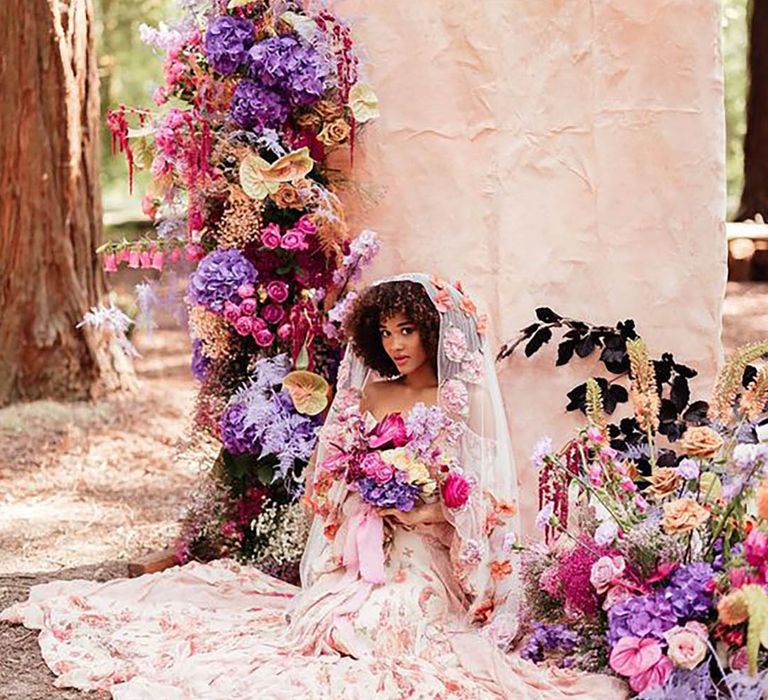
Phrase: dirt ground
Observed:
(85, 487)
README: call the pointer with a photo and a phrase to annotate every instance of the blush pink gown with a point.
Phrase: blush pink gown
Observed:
(223, 631)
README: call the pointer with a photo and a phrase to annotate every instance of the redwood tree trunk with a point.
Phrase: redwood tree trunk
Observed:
(50, 206)
(754, 198)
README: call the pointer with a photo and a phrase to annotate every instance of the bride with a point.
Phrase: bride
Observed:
(409, 585)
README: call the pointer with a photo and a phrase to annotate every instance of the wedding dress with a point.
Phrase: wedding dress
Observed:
(432, 629)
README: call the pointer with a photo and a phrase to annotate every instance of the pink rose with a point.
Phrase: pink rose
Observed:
(244, 291)
(273, 313)
(259, 324)
(455, 490)
(231, 312)
(687, 645)
(293, 239)
(248, 307)
(633, 655)
(277, 291)
(656, 676)
(370, 463)
(616, 594)
(270, 236)
(284, 331)
(244, 325)
(306, 226)
(264, 338)
(606, 571)
(390, 430)
(756, 547)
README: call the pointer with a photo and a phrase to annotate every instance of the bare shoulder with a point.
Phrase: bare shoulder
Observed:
(376, 393)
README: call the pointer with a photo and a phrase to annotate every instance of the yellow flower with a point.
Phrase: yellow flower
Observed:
(363, 103)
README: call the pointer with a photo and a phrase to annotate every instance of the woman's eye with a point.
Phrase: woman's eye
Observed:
(384, 334)
(407, 331)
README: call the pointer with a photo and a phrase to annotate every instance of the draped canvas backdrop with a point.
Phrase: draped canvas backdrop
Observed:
(552, 153)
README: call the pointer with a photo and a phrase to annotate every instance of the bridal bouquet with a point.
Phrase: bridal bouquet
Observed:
(394, 463)
(659, 573)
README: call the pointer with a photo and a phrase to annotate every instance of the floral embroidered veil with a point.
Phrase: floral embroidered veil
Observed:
(486, 527)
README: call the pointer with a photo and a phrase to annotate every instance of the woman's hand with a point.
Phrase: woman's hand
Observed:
(427, 514)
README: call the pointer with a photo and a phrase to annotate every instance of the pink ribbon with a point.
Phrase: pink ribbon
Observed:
(364, 545)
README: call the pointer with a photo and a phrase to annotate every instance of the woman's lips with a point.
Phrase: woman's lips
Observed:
(401, 359)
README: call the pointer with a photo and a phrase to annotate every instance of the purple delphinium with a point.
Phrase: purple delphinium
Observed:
(690, 590)
(257, 107)
(641, 616)
(395, 493)
(218, 277)
(227, 42)
(200, 362)
(291, 68)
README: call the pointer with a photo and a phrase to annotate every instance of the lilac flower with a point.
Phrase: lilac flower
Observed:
(540, 450)
(289, 67)
(545, 515)
(227, 42)
(550, 639)
(424, 424)
(217, 278)
(689, 591)
(362, 250)
(606, 533)
(257, 107)
(747, 456)
(641, 616)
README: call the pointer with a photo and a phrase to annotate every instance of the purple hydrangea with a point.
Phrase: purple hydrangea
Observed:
(641, 616)
(289, 67)
(227, 42)
(689, 590)
(217, 278)
(395, 493)
(550, 639)
(238, 433)
(257, 107)
(200, 362)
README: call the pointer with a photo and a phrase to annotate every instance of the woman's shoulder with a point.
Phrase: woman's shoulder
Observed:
(374, 392)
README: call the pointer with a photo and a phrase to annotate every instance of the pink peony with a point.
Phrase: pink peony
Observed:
(606, 571)
(293, 239)
(244, 325)
(277, 290)
(245, 291)
(264, 338)
(248, 307)
(270, 236)
(273, 313)
(756, 547)
(687, 645)
(455, 397)
(388, 432)
(455, 490)
(632, 656)
(654, 677)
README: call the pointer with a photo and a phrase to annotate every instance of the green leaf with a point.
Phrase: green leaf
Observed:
(757, 605)
(265, 473)
(302, 361)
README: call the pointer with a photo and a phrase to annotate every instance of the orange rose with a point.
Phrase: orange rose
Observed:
(287, 197)
(328, 110)
(334, 133)
(732, 609)
(683, 515)
(701, 442)
(664, 481)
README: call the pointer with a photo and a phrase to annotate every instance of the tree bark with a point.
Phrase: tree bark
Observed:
(754, 197)
(50, 206)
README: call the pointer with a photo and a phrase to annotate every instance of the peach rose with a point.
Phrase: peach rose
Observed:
(287, 197)
(664, 481)
(701, 442)
(683, 515)
(334, 133)
(732, 609)
(328, 110)
(687, 645)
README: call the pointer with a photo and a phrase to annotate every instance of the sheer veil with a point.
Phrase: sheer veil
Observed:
(486, 528)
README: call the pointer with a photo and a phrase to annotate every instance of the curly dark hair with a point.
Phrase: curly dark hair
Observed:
(381, 302)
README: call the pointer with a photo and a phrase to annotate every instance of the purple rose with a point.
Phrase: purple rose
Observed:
(277, 291)
(273, 313)
(227, 42)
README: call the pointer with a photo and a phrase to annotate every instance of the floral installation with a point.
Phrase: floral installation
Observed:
(257, 96)
(657, 572)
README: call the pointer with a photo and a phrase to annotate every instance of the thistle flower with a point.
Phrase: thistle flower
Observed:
(728, 384)
(643, 390)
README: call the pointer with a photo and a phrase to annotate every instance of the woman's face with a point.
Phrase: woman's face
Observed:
(402, 342)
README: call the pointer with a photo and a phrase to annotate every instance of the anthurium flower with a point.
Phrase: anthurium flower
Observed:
(260, 178)
(309, 391)
(363, 102)
(632, 655)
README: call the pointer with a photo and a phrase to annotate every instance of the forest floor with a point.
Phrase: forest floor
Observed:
(85, 487)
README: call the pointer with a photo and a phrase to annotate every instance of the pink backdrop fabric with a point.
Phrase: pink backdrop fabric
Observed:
(552, 153)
